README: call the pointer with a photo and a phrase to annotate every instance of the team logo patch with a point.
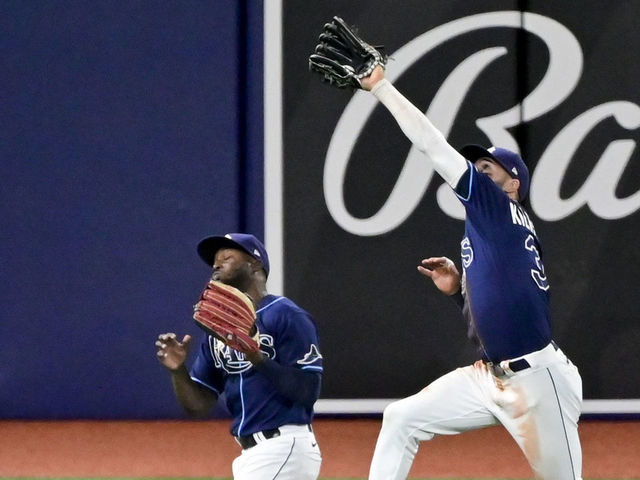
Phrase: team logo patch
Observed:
(311, 356)
(234, 362)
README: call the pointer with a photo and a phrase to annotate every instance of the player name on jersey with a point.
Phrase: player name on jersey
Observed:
(520, 217)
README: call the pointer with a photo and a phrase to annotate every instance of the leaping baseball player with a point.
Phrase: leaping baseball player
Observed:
(522, 379)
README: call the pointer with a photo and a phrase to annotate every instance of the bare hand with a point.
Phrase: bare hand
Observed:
(172, 353)
(369, 82)
(443, 272)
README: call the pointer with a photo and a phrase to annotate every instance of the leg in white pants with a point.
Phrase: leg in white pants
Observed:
(451, 404)
(547, 431)
(539, 407)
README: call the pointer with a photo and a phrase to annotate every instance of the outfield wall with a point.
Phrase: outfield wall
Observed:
(133, 130)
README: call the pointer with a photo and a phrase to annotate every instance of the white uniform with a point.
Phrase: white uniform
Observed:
(292, 455)
(539, 407)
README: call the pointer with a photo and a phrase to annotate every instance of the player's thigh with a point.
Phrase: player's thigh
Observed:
(548, 430)
(452, 404)
(285, 458)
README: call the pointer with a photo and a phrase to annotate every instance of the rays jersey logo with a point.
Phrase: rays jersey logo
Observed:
(234, 362)
(311, 356)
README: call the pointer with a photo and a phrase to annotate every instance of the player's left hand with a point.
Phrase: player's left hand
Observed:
(229, 315)
(343, 58)
(443, 272)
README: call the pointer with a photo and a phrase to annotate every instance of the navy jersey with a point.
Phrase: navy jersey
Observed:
(288, 335)
(504, 284)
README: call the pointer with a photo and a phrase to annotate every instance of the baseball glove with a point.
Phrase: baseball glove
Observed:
(342, 57)
(228, 314)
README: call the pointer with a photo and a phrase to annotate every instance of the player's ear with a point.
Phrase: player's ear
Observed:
(512, 185)
(256, 266)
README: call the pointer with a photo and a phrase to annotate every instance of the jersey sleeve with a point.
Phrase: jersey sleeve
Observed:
(485, 203)
(203, 370)
(299, 345)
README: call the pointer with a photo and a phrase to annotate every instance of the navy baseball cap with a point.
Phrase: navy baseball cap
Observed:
(208, 247)
(510, 161)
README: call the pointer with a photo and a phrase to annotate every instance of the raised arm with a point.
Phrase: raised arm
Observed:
(449, 164)
(343, 59)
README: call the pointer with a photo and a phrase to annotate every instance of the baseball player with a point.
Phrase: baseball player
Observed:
(522, 379)
(270, 393)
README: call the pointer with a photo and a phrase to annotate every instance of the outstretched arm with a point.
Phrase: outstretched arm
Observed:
(449, 164)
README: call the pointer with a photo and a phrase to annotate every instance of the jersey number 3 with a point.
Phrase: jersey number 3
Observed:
(537, 273)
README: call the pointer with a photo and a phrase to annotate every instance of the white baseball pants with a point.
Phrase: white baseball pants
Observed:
(294, 455)
(539, 406)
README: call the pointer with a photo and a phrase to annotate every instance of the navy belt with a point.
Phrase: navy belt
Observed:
(248, 441)
(515, 366)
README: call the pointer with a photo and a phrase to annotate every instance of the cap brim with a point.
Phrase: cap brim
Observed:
(208, 247)
(474, 152)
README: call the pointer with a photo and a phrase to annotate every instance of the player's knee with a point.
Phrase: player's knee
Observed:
(396, 415)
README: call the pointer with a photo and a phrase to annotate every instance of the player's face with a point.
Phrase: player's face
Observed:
(494, 171)
(232, 267)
